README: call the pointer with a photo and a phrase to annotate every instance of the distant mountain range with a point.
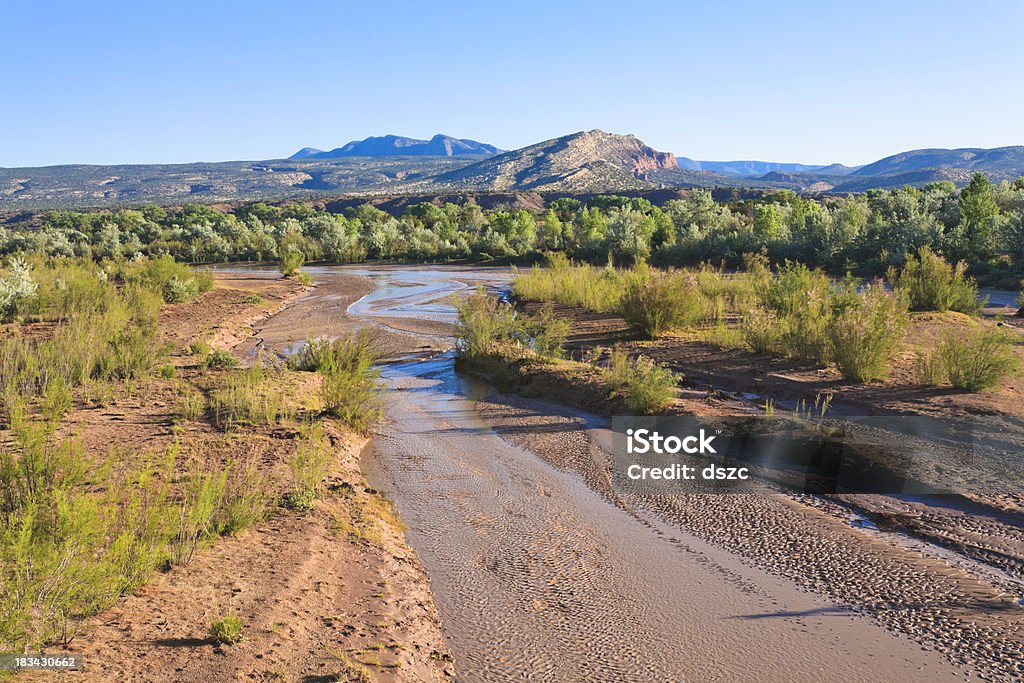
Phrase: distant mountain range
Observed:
(396, 145)
(589, 162)
(751, 169)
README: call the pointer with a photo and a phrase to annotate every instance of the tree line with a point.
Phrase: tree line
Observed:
(981, 225)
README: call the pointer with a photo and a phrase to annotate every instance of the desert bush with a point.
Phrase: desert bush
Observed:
(226, 631)
(246, 499)
(253, 299)
(659, 303)
(219, 359)
(249, 397)
(16, 288)
(189, 402)
(175, 281)
(309, 465)
(291, 260)
(932, 284)
(865, 333)
(547, 333)
(482, 322)
(978, 360)
(349, 378)
(761, 331)
(166, 371)
(644, 385)
(929, 369)
(595, 289)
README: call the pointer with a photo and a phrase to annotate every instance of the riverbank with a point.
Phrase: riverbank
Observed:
(332, 592)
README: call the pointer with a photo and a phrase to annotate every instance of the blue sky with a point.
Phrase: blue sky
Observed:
(816, 82)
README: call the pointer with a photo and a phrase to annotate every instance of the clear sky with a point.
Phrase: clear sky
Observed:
(817, 82)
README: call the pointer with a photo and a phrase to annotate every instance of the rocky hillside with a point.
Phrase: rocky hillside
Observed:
(581, 162)
(395, 145)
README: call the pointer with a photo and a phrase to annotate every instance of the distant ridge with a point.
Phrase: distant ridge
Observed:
(1001, 160)
(754, 169)
(396, 145)
(591, 162)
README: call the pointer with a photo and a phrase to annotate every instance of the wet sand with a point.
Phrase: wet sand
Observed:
(536, 574)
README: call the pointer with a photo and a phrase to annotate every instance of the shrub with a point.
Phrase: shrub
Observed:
(596, 289)
(761, 331)
(349, 385)
(645, 386)
(175, 281)
(219, 360)
(16, 289)
(189, 403)
(801, 298)
(309, 465)
(200, 349)
(866, 332)
(659, 303)
(166, 371)
(291, 260)
(548, 333)
(246, 498)
(482, 322)
(249, 397)
(932, 284)
(929, 369)
(226, 631)
(253, 299)
(978, 361)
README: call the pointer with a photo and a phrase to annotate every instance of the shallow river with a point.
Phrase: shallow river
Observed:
(538, 577)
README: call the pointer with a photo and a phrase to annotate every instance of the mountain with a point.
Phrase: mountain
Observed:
(754, 168)
(395, 145)
(1000, 161)
(591, 161)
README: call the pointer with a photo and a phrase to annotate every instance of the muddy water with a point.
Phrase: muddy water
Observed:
(538, 577)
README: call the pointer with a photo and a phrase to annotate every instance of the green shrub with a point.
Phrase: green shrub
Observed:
(175, 281)
(596, 289)
(866, 332)
(246, 499)
(253, 299)
(226, 631)
(979, 360)
(291, 260)
(17, 288)
(166, 371)
(761, 331)
(250, 397)
(309, 465)
(349, 384)
(929, 369)
(482, 322)
(189, 403)
(548, 333)
(645, 386)
(219, 359)
(200, 349)
(660, 303)
(932, 284)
